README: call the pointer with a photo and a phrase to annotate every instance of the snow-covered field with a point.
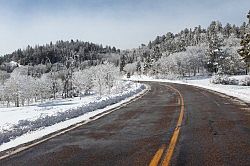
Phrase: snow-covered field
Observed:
(22, 124)
(241, 92)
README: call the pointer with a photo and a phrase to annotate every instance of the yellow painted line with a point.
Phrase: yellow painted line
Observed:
(173, 141)
(178, 101)
(157, 156)
(174, 138)
(170, 151)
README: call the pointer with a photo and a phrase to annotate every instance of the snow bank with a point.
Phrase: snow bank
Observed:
(240, 92)
(243, 80)
(18, 121)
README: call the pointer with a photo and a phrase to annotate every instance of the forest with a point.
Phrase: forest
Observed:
(197, 51)
(72, 68)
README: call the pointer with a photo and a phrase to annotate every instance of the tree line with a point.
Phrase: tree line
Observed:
(59, 53)
(21, 89)
(215, 49)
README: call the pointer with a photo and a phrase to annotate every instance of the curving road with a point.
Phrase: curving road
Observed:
(214, 130)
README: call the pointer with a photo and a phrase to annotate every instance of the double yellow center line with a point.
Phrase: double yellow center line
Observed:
(168, 155)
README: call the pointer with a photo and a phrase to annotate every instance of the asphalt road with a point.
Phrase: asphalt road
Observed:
(215, 130)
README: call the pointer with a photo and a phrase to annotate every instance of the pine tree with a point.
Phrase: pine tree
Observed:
(242, 29)
(227, 30)
(147, 64)
(138, 67)
(150, 45)
(156, 53)
(122, 62)
(214, 54)
(244, 51)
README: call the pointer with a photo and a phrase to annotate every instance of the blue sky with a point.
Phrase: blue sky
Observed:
(121, 23)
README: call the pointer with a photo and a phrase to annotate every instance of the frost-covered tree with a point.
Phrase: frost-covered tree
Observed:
(44, 87)
(138, 68)
(131, 68)
(104, 77)
(227, 30)
(195, 58)
(122, 62)
(147, 63)
(82, 80)
(3, 76)
(55, 83)
(15, 86)
(98, 79)
(186, 63)
(244, 51)
(232, 62)
(66, 77)
(2, 99)
(111, 73)
(168, 65)
(214, 54)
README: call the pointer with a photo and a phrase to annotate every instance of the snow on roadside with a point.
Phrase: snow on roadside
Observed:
(24, 124)
(240, 92)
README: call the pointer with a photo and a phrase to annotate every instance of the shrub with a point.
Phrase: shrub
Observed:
(220, 79)
(225, 80)
(245, 81)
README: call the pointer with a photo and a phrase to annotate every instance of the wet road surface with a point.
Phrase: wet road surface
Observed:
(215, 131)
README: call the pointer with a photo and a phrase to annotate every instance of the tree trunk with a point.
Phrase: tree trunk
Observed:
(17, 101)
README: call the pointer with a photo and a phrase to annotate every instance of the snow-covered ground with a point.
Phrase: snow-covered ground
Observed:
(23, 124)
(241, 92)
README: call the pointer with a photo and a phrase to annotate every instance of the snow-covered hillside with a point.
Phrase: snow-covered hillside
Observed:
(15, 122)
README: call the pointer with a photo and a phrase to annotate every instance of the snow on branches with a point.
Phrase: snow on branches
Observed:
(20, 88)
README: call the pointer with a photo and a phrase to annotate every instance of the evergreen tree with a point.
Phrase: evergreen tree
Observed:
(147, 64)
(138, 67)
(156, 53)
(122, 62)
(242, 30)
(150, 45)
(244, 51)
(214, 54)
(227, 30)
